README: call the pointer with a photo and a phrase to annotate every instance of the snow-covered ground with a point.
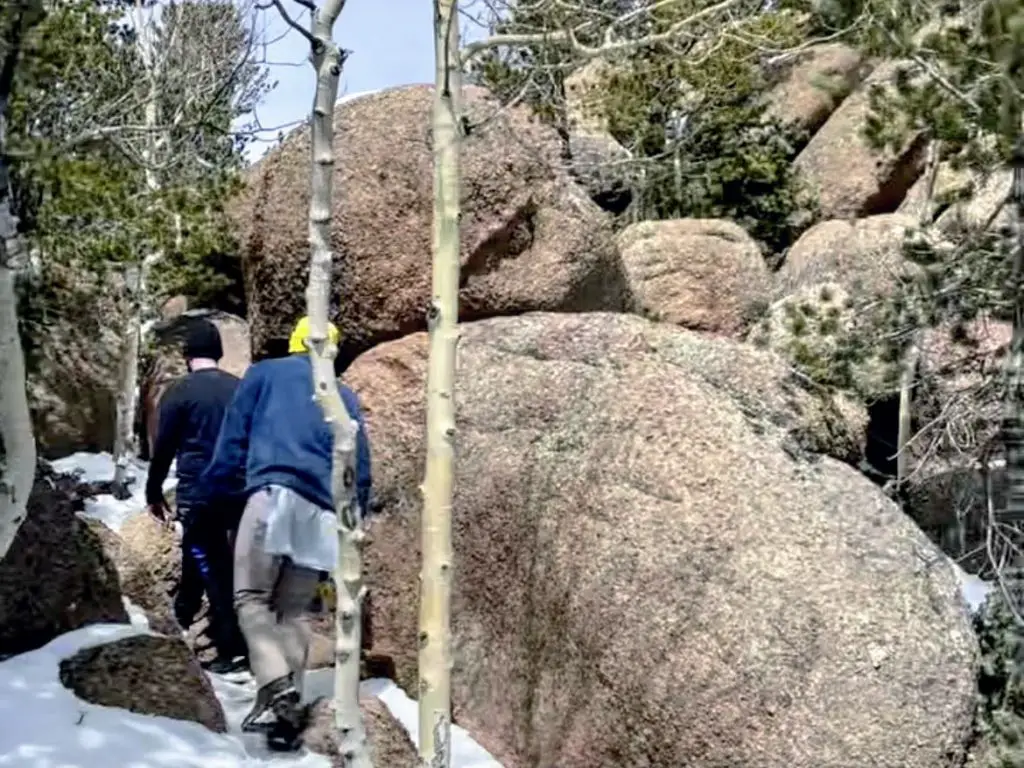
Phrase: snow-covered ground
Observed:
(46, 726)
(99, 468)
(466, 753)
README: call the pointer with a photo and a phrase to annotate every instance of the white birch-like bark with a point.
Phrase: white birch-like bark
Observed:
(126, 400)
(17, 441)
(435, 656)
(912, 355)
(904, 433)
(136, 276)
(348, 576)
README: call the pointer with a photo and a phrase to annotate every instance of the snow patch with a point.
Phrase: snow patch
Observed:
(975, 590)
(357, 95)
(46, 726)
(466, 753)
(136, 616)
(236, 695)
(99, 468)
(91, 467)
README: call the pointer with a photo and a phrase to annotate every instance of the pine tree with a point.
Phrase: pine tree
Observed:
(107, 199)
(689, 105)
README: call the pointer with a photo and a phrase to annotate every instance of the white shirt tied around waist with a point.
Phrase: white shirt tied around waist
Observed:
(299, 529)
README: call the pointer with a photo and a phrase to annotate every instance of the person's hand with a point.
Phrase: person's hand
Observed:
(161, 513)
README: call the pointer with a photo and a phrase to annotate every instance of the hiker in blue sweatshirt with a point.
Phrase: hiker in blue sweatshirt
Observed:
(275, 433)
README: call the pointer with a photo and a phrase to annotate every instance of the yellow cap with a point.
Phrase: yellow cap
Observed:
(297, 342)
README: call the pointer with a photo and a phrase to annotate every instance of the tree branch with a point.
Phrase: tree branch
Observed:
(569, 36)
(290, 21)
(28, 14)
(939, 79)
(332, 10)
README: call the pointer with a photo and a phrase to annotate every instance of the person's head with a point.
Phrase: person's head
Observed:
(297, 341)
(202, 348)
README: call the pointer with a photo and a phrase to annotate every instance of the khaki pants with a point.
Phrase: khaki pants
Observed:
(272, 596)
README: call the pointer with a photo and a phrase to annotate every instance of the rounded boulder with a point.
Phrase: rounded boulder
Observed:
(650, 569)
(531, 238)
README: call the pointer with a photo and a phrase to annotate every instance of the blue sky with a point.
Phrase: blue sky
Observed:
(392, 44)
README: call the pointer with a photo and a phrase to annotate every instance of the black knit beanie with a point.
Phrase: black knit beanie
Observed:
(202, 340)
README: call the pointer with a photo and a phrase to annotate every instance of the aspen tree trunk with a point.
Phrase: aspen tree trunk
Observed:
(912, 355)
(126, 401)
(17, 443)
(137, 275)
(348, 575)
(435, 659)
(908, 374)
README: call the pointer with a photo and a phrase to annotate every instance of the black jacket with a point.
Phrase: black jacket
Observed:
(191, 412)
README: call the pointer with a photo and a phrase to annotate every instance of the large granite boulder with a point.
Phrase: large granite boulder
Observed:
(531, 239)
(703, 274)
(851, 177)
(56, 576)
(650, 567)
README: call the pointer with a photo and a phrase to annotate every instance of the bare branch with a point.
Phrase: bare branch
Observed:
(291, 22)
(570, 36)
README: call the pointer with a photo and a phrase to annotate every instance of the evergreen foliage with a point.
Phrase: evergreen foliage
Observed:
(77, 150)
(1000, 685)
(691, 109)
(959, 86)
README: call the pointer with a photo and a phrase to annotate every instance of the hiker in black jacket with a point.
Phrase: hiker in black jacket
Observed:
(190, 416)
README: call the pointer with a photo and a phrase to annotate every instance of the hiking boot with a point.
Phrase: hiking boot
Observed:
(286, 706)
(282, 737)
(286, 735)
(276, 695)
(223, 665)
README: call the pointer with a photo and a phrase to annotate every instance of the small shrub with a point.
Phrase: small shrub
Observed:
(1000, 685)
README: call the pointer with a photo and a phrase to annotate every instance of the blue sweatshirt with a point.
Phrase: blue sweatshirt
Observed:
(274, 433)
